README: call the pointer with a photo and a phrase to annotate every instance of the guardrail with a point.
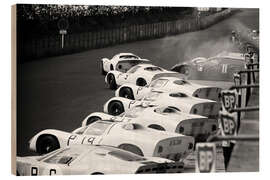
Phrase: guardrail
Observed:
(234, 138)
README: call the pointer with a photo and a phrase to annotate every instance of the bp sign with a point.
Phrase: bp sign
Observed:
(205, 158)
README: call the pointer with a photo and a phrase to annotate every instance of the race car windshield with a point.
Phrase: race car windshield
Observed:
(80, 130)
(97, 128)
(153, 68)
(126, 156)
(167, 110)
(159, 83)
(178, 95)
(129, 57)
(133, 69)
(65, 156)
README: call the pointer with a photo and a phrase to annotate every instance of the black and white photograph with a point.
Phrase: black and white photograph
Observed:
(124, 89)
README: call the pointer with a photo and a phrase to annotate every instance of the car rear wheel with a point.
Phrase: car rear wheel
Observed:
(141, 82)
(126, 92)
(97, 173)
(115, 108)
(112, 82)
(46, 144)
(92, 119)
(131, 148)
(184, 70)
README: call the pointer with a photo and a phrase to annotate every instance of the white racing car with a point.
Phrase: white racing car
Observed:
(93, 160)
(141, 75)
(181, 101)
(169, 84)
(163, 119)
(132, 137)
(120, 62)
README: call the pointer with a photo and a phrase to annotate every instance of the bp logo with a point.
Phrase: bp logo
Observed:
(206, 157)
(228, 100)
(228, 124)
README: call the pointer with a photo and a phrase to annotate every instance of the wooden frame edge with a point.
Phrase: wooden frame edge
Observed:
(13, 88)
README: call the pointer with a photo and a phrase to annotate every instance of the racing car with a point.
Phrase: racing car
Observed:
(132, 137)
(93, 160)
(221, 67)
(120, 62)
(181, 101)
(141, 75)
(169, 84)
(164, 119)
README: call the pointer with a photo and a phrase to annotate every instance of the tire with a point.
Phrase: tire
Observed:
(46, 144)
(184, 70)
(131, 148)
(102, 69)
(97, 173)
(111, 82)
(141, 82)
(126, 92)
(156, 127)
(92, 120)
(115, 108)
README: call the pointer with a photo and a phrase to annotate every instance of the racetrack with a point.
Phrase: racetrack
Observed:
(59, 92)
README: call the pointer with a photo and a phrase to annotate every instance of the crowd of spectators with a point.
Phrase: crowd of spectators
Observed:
(41, 20)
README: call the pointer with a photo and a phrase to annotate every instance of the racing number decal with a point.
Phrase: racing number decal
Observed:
(72, 137)
(228, 124)
(228, 100)
(52, 172)
(224, 68)
(34, 171)
(205, 157)
(91, 140)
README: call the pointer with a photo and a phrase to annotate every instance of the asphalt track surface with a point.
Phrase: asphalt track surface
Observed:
(59, 92)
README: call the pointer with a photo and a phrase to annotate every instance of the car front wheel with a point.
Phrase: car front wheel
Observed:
(115, 108)
(46, 144)
(126, 92)
(112, 82)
